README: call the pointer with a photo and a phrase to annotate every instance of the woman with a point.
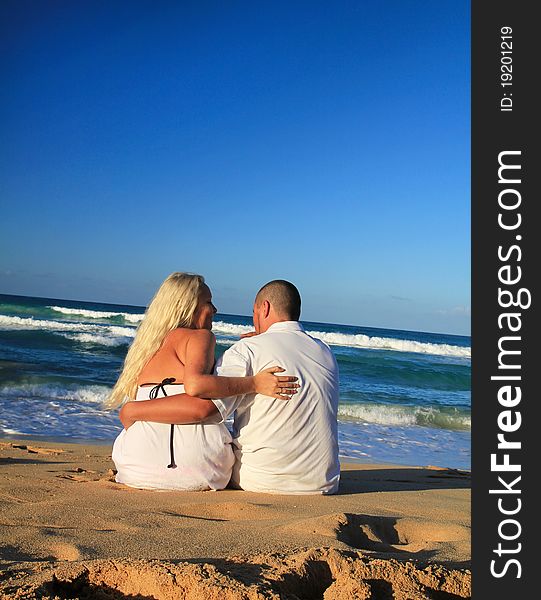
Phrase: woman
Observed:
(173, 352)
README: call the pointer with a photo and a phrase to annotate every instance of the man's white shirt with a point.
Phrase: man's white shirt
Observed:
(284, 446)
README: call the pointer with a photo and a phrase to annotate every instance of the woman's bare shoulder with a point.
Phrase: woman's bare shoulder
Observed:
(203, 337)
(181, 336)
(184, 340)
(178, 333)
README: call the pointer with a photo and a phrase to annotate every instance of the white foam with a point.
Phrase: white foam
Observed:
(11, 431)
(98, 314)
(364, 341)
(384, 414)
(58, 326)
(93, 394)
(221, 327)
(228, 329)
(90, 338)
(226, 341)
(360, 341)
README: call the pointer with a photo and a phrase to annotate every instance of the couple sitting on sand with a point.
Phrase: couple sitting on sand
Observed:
(285, 428)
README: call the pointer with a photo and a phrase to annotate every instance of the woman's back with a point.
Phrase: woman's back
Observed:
(167, 360)
(203, 453)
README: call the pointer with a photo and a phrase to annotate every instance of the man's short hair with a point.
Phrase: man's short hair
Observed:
(283, 296)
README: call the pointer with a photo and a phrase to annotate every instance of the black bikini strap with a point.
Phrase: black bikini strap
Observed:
(154, 394)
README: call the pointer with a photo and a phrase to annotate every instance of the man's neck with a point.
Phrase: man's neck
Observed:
(277, 320)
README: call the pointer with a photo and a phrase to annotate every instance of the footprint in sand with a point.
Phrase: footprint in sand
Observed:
(32, 449)
(81, 475)
(381, 534)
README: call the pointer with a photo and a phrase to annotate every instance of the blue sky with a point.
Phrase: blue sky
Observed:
(327, 143)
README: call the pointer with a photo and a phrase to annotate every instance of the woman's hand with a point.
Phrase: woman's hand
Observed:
(276, 386)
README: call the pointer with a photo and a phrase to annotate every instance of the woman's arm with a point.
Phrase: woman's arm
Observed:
(197, 381)
(178, 410)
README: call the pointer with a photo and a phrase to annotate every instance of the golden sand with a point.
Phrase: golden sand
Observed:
(70, 531)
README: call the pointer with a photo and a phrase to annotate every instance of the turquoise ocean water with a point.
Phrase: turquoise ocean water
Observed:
(404, 396)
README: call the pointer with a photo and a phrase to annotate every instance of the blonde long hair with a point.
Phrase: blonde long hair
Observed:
(173, 306)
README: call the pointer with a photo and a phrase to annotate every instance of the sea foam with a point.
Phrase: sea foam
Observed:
(98, 314)
(92, 394)
(59, 326)
(100, 340)
(360, 341)
(221, 328)
(385, 414)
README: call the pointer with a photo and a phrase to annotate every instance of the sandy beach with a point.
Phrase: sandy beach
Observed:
(70, 531)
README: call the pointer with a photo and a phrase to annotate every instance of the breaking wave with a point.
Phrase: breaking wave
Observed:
(360, 340)
(385, 414)
(228, 333)
(98, 314)
(110, 335)
(92, 394)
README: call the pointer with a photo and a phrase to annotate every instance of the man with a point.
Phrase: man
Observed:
(281, 446)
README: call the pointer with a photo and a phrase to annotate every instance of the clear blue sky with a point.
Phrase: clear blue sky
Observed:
(327, 143)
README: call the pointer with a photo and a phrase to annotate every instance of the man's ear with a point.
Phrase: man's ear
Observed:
(266, 308)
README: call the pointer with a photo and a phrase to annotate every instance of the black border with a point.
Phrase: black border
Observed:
(494, 131)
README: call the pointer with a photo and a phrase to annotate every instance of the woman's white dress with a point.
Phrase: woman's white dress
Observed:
(202, 453)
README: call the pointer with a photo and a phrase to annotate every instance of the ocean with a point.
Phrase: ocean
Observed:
(404, 396)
